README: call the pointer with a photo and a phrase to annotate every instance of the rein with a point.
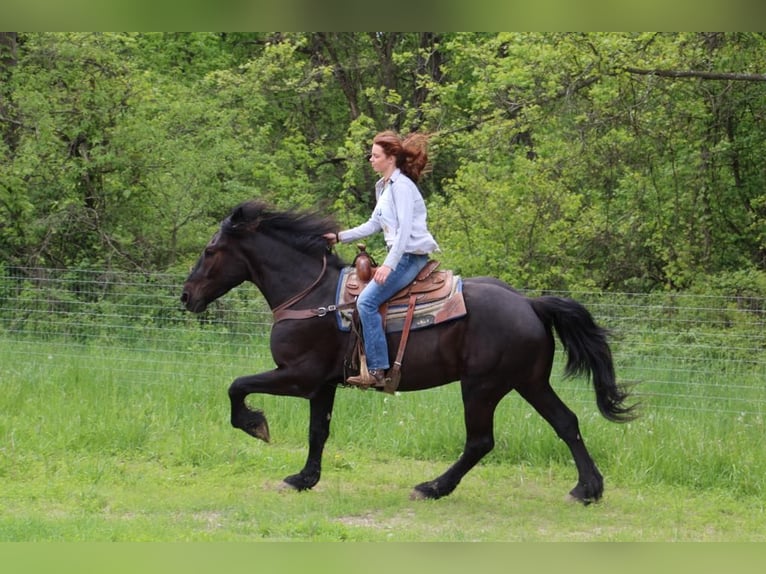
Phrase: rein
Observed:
(282, 311)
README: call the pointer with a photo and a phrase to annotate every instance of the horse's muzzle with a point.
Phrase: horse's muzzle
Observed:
(195, 306)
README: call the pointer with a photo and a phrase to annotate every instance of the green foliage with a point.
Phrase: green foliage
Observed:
(617, 161)
(745, 285)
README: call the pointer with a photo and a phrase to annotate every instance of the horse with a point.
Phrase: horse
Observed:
(504, 342)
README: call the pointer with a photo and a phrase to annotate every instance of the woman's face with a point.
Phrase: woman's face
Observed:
(380, 162)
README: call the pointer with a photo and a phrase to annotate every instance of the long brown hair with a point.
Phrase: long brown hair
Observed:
(411, 152)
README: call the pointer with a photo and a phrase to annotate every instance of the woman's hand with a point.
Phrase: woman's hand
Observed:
(381, 274)
(332, 238)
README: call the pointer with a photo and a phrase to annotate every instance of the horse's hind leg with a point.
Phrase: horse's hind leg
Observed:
(319, 431)
(479, 412)
(590, 483)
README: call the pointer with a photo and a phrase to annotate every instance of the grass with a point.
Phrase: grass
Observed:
(145, 501)
(120, 445)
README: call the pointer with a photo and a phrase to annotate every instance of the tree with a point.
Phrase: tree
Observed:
(7, 61)
(654, 163)
(603, 160)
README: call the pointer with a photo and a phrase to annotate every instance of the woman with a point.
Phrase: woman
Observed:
(400, 213)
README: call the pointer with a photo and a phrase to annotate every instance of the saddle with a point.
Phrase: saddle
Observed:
(433, 297)
(429, 285)
(438, 295)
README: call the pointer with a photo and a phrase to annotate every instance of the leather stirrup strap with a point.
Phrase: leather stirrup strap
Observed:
(396, 371)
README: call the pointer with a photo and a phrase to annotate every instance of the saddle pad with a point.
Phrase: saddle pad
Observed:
(427, 312)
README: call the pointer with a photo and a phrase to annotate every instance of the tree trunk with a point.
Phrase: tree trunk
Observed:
(8, 60)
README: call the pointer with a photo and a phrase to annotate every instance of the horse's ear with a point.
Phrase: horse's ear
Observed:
(237, 216)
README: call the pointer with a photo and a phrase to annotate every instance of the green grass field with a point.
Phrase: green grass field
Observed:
(101, 443)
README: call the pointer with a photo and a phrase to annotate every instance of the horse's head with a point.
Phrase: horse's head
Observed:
(262, 245)
(220, 268)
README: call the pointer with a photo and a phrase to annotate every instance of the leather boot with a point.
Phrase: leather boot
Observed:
(375, 378)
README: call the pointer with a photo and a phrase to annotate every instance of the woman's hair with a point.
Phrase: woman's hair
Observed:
(410, 153)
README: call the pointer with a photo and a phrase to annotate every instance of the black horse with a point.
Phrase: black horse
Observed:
(504, 343)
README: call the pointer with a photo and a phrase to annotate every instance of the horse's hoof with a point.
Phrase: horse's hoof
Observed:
(285, 486)
(429, 491)
(417, 495)
(261, 431)
(301, 482)
(254, 424)
(575, 495)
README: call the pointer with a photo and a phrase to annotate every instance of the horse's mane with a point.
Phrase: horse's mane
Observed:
(301, 230)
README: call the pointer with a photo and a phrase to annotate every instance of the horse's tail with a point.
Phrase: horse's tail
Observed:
(588, 352)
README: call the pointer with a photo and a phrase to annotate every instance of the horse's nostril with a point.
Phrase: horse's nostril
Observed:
(184, 297)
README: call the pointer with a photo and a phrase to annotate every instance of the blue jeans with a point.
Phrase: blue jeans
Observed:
(373, 296)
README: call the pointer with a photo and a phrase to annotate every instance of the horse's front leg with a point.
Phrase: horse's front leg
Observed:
(319, 431)
(276, 382)
(287, 382)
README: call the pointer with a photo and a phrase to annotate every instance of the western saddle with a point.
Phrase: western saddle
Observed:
(431, 288)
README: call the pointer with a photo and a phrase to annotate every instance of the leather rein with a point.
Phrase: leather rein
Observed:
(282, 311)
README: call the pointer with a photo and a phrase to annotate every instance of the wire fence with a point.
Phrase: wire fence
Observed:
(699, 353)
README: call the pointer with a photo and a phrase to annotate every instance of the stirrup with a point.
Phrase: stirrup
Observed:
(367, 379)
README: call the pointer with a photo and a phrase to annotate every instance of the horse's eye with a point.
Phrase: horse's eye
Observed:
(209, 252)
